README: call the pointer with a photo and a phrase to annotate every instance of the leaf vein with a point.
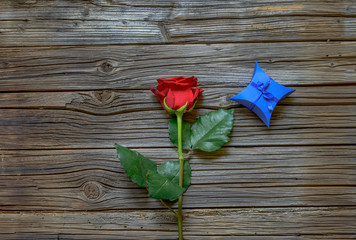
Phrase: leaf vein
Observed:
(209, 132)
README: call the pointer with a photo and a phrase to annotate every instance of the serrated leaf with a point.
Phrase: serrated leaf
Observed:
(173, 133)
(210, 131)
(135, 165)
(170, 170)
(162, 188)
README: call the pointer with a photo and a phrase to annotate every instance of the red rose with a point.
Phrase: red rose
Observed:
(177, 91)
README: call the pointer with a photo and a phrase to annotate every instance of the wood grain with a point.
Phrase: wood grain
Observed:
(74, 79)
(137, 67)
(232, 177)
(48, 129)
(161, 10)
(173, 22)
(97, 119)
(69, 32)
(109, 102)
(250, 224)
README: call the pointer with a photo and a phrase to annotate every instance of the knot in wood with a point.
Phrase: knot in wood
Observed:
(107, 67)
(5, 64)
(92, 190)
(104, 96)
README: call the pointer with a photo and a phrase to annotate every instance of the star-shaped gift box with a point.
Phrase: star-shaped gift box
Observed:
(262, 95)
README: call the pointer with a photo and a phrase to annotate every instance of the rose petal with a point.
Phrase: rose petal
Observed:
(170, 99)
(183, 82)
(158, 94)
(177, 91)
(195, 92)
(181, 97)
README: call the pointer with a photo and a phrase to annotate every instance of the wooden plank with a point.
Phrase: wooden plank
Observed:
(161, 10)
(137, 67)
(262, 29)
(177, 22)
(69, 32)
(250, 224)
(106, 102)
(92, 179)
(143, 126)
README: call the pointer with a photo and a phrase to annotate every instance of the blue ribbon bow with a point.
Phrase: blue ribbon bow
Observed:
(266, 95)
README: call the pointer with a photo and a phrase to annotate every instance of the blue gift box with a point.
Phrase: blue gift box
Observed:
(262, 95)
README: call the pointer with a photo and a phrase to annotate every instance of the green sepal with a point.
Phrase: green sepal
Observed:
(191, 109)
(169, 110)
(181, 110)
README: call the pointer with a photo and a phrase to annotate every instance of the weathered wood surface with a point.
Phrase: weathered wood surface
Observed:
(69, 32)
(48, 129)
(231, 177)
(163, 10)
(109, 102)
(251, 224)
(74, 79)
(82, 127)
(137, 67)
(106, 102)
(117, 22)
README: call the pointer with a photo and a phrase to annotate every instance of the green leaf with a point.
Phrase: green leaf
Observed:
(162, 188)
(164, 184)
(210, 131)
(173, 133)
(135, 165)
(170, 170)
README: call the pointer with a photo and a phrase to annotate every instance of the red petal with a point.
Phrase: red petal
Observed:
(177, 82)
(178, 91)
(195, 93)
(183, 96)
(170, 99)
(158, 94)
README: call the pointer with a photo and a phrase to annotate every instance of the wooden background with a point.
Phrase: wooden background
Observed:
(74, 79)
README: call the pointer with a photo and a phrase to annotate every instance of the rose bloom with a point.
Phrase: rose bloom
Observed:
(177, 91)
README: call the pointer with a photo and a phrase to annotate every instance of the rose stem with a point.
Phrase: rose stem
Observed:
(170, 209)
(181, 174)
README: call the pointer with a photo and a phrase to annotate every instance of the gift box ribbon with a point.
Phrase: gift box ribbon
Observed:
(266, 95)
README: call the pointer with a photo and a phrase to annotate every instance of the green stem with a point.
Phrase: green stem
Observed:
(170, 209)
(181, 174)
